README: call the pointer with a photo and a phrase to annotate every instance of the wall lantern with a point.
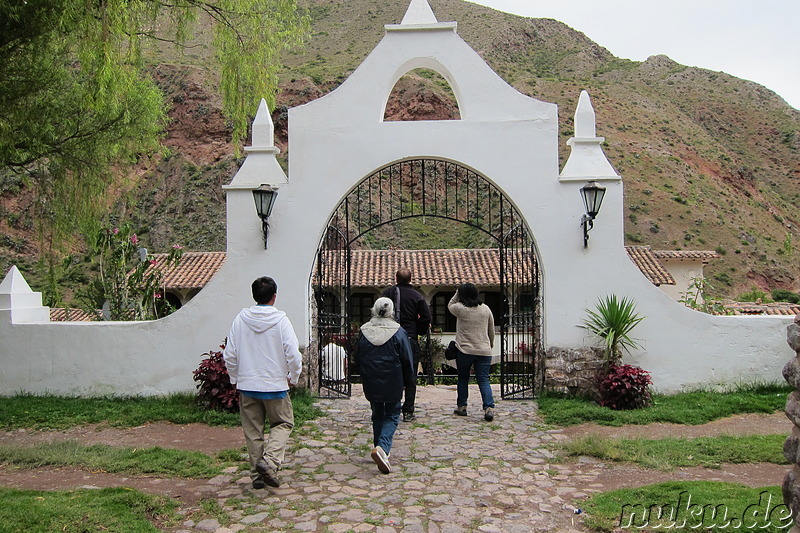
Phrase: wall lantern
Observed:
(592, 194)
(265, 200)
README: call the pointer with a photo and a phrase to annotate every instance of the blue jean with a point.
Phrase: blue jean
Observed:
(482, 363)
(385, 418)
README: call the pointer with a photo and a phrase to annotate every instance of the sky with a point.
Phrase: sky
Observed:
(753, 40)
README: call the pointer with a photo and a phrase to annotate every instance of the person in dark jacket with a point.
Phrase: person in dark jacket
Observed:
(384, 356)
(414, 315)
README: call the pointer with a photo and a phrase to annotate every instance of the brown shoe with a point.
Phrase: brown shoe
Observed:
(461, 410)
(488, 415)
(269, 474)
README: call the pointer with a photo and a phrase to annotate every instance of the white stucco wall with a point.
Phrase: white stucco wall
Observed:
(339, 139)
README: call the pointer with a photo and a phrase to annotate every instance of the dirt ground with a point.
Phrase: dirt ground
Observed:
(210, 440)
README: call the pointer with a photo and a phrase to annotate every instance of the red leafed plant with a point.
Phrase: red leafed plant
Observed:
(214, 388)
(625, 387)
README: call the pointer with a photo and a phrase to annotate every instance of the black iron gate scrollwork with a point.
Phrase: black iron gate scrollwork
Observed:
(334, 342)
(429, 187)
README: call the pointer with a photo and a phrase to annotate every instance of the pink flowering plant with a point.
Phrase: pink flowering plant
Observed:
(130, 281)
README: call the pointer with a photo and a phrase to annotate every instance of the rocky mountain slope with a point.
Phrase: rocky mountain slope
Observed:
(709, 161)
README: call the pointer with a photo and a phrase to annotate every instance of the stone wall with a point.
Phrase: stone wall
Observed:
(791, 448)
(573, 371)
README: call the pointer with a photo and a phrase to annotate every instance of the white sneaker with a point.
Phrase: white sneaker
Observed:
(381, 459)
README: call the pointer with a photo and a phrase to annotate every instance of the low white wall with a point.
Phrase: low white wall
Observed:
(121, 358)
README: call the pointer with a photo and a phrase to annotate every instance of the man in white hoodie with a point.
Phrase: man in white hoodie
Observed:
(263, 361)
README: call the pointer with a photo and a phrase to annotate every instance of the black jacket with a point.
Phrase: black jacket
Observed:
(415, 315)
(384, 367)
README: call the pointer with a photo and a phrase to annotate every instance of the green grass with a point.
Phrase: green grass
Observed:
(697, 407)
(694, 505)
(666, 454)
(128, 461)
(59, 412)
(115, 510)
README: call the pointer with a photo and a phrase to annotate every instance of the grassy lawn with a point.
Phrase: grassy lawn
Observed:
(666, 454)
(54, 412)
(83, 511)
(118, 509)
(128, 461)
(697, 407)
(689, 506)
(59, 412)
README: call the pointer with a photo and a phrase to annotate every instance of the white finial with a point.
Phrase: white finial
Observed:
(586, 160)
(17, 298)
(263, 128)
(584, 118)
(14, 283)
(419, 12)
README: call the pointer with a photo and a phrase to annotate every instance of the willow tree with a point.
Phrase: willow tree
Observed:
(77, 103)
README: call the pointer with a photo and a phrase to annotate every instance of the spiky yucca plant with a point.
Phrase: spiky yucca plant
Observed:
(612, 321)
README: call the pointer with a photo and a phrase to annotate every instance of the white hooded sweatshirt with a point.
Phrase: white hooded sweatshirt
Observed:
(262, 351)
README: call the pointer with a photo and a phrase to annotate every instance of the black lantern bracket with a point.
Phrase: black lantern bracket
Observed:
(592, 194)
(265, 196)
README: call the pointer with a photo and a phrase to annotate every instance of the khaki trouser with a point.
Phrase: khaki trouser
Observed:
(255, 413)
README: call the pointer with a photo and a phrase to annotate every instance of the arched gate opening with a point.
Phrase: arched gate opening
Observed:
(428, 187)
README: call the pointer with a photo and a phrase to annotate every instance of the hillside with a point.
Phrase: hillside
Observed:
(709, 161)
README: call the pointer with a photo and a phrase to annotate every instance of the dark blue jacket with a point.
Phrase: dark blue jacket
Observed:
(382, 366)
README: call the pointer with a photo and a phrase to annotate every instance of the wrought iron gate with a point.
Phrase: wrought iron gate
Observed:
(521, 353)
(429, 188)
(331, 291)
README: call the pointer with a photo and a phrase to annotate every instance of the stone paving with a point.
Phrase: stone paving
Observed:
(450, 474)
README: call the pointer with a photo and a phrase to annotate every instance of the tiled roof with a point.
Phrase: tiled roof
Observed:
(376, 268)
(194, 271)
(705, 255)
(644, 258)
(61, 314)
(753, 308)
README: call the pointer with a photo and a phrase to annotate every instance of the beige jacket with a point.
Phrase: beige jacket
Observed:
(474, 327)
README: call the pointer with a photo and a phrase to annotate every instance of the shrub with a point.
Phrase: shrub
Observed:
(612, 322)
(754, 295)
(214, 388)
(129, 279)
(781, 295)
(625, 387)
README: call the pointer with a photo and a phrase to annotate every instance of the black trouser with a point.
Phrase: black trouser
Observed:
(411, 388)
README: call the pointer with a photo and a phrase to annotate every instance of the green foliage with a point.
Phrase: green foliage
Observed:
(115, 510)
(696, 407)
(669, 453)
(695, 297)
(612, 322)
(781, 295)
(131, 284)
(752, 509)
(76, 99)
(753, 295)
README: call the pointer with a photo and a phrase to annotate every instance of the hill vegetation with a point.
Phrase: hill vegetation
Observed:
(709, 161)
